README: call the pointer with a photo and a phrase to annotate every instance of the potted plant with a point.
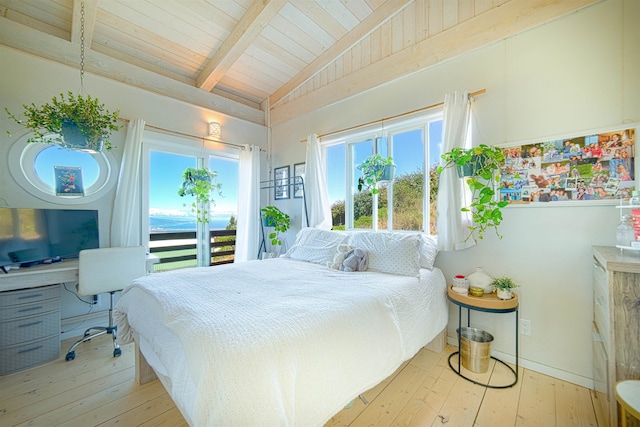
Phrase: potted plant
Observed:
(375, 169)
(280, 221)
(74, 122)
(484, 164)
(504, 286)
(200, 183)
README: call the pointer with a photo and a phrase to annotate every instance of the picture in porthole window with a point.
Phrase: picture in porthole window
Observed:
(68, 181)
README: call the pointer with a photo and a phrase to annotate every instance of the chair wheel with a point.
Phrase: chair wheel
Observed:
(70, 356)
(117, 352)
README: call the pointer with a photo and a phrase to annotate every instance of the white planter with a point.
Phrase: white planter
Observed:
(504, 293)
(480, 279)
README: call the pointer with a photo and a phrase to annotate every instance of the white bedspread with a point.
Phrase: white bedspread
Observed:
(278, 342)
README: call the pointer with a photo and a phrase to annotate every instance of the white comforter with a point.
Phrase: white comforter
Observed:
(278, 342)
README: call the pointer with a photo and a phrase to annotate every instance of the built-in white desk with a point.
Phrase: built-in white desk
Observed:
(39, 275)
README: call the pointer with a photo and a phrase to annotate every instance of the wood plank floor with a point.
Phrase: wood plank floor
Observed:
(97, 389)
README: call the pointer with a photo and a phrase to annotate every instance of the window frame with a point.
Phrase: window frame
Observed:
(22, 156)
(372, 132)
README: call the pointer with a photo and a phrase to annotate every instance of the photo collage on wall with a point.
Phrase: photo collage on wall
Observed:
(592, 167)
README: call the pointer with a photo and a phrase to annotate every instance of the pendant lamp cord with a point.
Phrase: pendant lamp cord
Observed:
(82, 47)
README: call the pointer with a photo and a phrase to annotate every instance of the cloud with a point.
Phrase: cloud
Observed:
(169, 212)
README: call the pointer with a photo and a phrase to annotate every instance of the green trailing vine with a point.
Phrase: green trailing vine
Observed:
(372, 169)
(87, 113)
(200, 183)
(277, 219)
(485, 164)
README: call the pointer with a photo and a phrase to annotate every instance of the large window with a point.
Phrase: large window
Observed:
(407, 203)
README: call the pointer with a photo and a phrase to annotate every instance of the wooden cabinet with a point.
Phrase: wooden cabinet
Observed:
(616, 324)
(29, 327)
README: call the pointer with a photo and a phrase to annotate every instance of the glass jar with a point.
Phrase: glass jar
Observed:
(624, 232)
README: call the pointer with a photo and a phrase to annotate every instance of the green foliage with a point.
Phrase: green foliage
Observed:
(87, 113)
(372, 169)
(504, 283)
(280, 222)
(200, 183)
(485, 208)
(232, 223)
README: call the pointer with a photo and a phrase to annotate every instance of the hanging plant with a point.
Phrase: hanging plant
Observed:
(74, 122)
(280, 221)
(375, 169)
(482, 165)
(200, 183)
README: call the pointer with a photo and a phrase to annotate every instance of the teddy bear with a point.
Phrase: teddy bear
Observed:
(339, 256)
(355, 260)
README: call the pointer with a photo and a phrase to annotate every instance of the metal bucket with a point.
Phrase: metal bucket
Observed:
(475, 349)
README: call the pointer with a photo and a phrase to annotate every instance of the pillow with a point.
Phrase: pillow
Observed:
(315, 245)
(428, 249)
(392, 253)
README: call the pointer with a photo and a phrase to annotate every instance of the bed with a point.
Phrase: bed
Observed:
(287, 341)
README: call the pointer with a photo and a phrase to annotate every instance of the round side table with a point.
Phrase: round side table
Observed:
(489, 303)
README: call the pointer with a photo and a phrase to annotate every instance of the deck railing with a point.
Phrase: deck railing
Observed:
(178, 250)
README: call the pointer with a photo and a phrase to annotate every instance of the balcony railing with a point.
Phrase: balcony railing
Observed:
(178, 250)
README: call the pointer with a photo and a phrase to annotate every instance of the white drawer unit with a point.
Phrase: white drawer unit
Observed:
(616, 325)
(29, 327)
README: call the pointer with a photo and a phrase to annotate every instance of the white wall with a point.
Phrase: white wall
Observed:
(25, 79)
(571, 75)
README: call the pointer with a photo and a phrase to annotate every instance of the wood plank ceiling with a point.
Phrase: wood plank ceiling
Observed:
(244, 57)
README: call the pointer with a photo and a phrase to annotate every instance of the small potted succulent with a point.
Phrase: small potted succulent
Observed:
(375, 169)
(200, 183)
(504, 287)
(74, 122)
(280, 221)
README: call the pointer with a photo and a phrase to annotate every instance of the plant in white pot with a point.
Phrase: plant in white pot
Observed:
(71, 121)
(280, 221)
(375, 169)
(504, 287)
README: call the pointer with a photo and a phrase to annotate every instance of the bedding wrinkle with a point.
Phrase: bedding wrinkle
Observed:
(289, 349)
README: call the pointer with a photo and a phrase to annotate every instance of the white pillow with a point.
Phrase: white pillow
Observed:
(428, 251)
(392, 253)
(316, 245)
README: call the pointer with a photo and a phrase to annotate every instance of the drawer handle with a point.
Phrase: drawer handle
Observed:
(26, 325)
(26, 350)
(29, 309)
(30, 296)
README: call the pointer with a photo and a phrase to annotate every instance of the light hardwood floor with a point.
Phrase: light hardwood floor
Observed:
(97, 389)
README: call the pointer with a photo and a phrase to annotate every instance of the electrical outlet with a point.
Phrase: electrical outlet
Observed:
(525, 327)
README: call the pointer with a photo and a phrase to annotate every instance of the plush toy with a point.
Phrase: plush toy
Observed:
(339, 256)
(355, 260)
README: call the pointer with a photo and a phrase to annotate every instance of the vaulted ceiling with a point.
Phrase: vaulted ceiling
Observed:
(245, 57)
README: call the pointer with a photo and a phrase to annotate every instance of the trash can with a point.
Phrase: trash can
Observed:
(475, 349)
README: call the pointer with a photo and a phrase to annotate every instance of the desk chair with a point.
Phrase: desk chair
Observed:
(628, 396)
(107, 270)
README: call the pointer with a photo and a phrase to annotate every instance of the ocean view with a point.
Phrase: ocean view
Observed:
(184, 223)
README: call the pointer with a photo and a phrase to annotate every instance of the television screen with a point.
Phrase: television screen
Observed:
(32, 235)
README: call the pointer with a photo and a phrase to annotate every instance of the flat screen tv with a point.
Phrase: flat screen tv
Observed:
(29, 236)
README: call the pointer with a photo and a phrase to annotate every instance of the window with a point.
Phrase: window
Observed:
(32, 165)
(175, 236)
(409, 202)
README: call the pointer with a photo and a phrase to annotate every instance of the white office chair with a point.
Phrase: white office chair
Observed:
(107, 270)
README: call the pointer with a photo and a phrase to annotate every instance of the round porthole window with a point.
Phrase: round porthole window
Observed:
(59, 175)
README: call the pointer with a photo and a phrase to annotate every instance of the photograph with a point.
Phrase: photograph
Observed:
(68, 181)
(298, 180)
(281, 183)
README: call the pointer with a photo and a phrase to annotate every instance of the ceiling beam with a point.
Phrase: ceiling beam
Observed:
(373, 21)
(512, 17)
(90, 12)
(258, 16)
(23, 38)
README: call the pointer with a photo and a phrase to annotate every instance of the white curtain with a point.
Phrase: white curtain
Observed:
(127, 207)
(247, 232)
(452, 223)
(315, 188)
